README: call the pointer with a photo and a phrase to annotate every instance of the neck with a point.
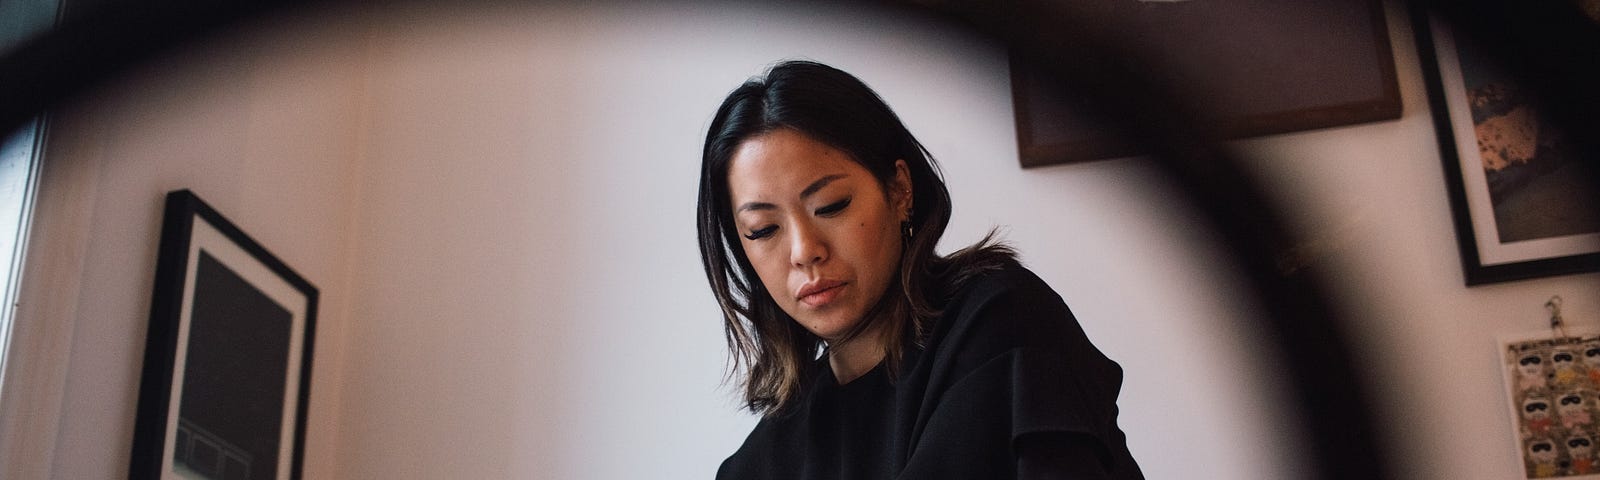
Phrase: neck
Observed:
(853, 358)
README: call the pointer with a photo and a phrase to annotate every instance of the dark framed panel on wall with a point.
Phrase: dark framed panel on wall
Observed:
(228, 357)
(1519, 194)
(1258, 67)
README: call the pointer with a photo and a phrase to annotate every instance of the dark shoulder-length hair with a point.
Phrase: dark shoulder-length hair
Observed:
(772, 354)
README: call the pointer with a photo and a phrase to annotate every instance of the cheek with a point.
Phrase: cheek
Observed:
(887, 237)
(877, 250)
(770, 264)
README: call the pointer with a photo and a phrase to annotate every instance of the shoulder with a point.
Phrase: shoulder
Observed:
(1006, 312)
(756, 457)
(773, 449)
(1005, 278)
(1008, 307)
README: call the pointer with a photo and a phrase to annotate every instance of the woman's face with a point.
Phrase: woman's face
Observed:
(817, 227)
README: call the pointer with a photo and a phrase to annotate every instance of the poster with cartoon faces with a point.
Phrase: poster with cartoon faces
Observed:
(1553, 385)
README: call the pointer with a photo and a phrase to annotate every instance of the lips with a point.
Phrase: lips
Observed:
(819, 292)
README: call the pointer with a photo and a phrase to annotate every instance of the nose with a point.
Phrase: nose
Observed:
(806, 245)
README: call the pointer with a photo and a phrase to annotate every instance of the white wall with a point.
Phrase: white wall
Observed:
(1372, 201)
(531, 304)
(264, 131)
(498, 208)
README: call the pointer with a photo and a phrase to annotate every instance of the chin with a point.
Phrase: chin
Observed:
(829, 326)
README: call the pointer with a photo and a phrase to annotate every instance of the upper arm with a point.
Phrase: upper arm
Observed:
(1060, 455)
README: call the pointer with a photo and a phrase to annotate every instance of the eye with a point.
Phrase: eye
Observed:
(834, 208)
(762, 233)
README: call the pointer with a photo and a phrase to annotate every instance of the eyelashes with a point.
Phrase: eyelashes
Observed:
(827, 211)
(762, 233)
(834, 208)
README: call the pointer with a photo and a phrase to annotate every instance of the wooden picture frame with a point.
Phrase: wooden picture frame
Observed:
(227, 364)
(1518, 199)
(1259, 67)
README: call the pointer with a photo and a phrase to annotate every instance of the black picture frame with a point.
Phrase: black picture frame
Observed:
(1500, 240)
(1258, 67)
(228, 356)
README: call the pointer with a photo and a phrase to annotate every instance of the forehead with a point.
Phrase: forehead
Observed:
(779, 164)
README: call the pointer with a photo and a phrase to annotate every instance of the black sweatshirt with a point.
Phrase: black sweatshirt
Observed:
(1008, 387)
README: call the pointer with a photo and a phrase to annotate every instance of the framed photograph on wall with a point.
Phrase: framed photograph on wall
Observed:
(228, 355)
(1520, 199)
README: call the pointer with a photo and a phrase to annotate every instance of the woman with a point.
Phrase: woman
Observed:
(869, 355)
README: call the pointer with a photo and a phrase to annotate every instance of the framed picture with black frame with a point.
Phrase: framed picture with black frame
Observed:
(1520, 197)
(227, 363)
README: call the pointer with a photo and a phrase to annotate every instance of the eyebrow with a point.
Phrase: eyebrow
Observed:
(810, 190)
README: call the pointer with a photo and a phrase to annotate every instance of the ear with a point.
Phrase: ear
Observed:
(900, 194)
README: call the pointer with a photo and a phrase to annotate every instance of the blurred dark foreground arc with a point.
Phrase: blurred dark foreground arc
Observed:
(1309, 335)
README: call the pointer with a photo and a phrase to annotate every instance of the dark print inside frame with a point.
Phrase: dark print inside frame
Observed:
(1520, 195)
(1257, 67)
(228, 355)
